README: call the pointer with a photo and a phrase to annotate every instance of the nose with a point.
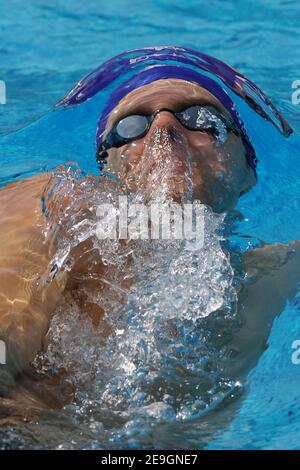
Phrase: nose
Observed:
(166, 145)
(166, 120)
(164, 117)
(166, 159)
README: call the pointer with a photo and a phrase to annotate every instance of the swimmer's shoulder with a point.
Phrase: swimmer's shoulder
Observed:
(32, 184)
(278, 261)
(23, 261)
(21, 206)
(272, 277)
(22, 198)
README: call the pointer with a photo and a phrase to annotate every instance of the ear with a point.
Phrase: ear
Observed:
(245, 191)
(250, 182)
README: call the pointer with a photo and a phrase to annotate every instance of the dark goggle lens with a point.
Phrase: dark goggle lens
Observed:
(132, 126)
(200, 117)
(189, 117)
(205, 118)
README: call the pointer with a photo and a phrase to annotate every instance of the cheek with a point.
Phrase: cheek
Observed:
(206, 156)
(227, 161)
(219, 173)
(200, 141)
(235, 160)
(130, 155)
(124, 159)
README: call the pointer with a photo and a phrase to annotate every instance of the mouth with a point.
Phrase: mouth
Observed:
(173, 168)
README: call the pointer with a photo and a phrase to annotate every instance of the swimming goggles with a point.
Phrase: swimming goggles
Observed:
(203, 118)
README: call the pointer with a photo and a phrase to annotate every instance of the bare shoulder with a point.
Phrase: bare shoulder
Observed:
(273, 255)
(32, 185)
(272, 276)
(278, 262)
(23, 257)
(28, 236)
(21, 218)
(21, 209)
(20, 200)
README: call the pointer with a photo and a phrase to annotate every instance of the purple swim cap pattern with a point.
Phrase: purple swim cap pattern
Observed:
(133, 69)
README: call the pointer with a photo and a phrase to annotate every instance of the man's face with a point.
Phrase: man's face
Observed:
(183, 164)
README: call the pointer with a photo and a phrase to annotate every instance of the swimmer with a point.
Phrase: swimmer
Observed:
(169, 125)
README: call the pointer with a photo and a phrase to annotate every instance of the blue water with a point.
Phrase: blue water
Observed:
(47, 47)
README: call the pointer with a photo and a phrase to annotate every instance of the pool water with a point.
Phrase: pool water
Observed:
(46, 48)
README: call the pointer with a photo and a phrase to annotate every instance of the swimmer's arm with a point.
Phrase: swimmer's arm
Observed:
(280, 262)
(273, 274)
(27, 298)
(26, 301)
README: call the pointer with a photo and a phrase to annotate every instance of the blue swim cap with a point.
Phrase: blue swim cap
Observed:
(133, 69)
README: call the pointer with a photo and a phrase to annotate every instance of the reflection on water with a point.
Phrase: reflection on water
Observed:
(134, 347)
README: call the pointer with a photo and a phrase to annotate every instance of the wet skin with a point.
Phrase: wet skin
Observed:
(219, 175)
